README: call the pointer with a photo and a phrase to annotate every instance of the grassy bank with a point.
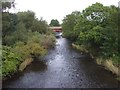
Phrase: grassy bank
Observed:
(107, 63)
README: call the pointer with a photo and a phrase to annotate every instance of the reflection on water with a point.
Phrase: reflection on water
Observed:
(36, 66)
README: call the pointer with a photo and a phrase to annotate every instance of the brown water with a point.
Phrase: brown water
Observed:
(64, 68)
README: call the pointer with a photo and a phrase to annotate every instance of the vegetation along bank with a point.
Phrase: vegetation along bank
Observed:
(24, 37)
(95, 31)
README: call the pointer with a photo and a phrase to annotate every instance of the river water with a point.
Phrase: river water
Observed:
(64, 67)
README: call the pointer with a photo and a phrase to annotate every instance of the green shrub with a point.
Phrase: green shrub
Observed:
(34, 37)
(10, 61)
(116, 59)
(21, 50)
(32, 48)
(35, 49)
(47, 41)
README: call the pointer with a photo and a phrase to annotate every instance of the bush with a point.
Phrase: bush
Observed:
(29, 50)
(47, 41)
(10, 61)
(35, 49)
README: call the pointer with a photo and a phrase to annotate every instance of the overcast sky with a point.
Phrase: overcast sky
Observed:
(57, 9)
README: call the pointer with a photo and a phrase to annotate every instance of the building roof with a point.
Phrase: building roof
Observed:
(55, 27)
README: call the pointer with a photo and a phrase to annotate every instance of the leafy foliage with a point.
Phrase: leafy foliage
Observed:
(24, 36)
(10, 61)
(7, 5)
(39, 26)
(36, 45)
(9, 21)
(47, 41)
(96, 28)
(17, 26)
(68, 25)
(54, 22)
(26, 18)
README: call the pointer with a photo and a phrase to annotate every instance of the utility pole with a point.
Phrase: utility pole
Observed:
(119, 4)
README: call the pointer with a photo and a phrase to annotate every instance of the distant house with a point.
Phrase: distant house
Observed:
(56, 29)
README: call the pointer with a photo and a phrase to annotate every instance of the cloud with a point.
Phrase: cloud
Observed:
(57, 9)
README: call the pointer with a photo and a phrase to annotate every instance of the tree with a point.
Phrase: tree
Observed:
(68, 25)
(96, 28)
(54, 22)
(40, 26)
(9, 22)
(27, 18)
(7, 5)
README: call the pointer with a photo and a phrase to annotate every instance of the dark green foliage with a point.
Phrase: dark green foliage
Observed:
(20, 34)
(9, 22)
(7, 5)
(96, 29)
(32, 23)
(68, 25)
(27, 18)
(54, 22)
(17, 26)
(39, 26)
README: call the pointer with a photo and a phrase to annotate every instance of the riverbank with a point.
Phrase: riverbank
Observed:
(17, 58)
(106, 63)
(22, 68)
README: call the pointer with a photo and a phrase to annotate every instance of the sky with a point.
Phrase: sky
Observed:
(57, 9)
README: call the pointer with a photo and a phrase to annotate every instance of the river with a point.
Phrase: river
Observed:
(64, 67)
